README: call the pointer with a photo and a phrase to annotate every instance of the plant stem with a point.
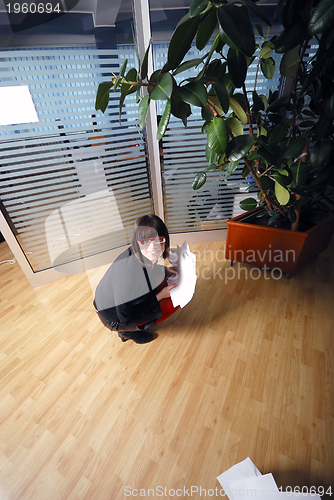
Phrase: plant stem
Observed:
(269, 202)
(265, 197)
(215, 113)
(223, 164)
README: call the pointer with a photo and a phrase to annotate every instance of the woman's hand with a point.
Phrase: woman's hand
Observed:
(165, 292)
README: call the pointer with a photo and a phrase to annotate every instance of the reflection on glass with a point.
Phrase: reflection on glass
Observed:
(72, 184)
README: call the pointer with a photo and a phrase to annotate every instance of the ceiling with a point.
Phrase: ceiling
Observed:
(105, 12)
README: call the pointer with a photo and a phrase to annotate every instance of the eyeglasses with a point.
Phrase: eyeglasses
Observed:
(156, 241)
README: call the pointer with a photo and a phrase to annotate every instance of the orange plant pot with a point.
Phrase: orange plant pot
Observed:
(273, 248)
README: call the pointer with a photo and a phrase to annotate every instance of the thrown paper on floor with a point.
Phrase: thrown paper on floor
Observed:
(184, 262)
(257, 488)
(236, 475)
(244, 481)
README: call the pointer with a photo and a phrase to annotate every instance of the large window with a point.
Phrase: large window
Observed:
(72, 184)
(183, 149)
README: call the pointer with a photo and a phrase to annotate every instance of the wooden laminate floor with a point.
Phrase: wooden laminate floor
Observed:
(245, 369)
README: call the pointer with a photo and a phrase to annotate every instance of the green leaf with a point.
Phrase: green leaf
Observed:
(121, 74)
(307, 112)
(142, 110)
(237, 65)
(266, 52)
(197, 6)
(211, 51)
(225, 39)
(239, 146)
(144, 66)
(131, 76)
(289, 64)
(102, 96)
(306, 124)
(290, 38)
(199, 180)
(187, 65)
(279, 7)
(248, 204)
(222, 95)
(329, 105)
(121, 102)
(235, 125)
(259, 29)
(206, 29)
(180, 42)
(258, 104)
(217, 136)
(236, 23)
(210, 155)
(214, 68)
(264, 100)
(283, 177)
(294, 148)
(322, 17)
(184, 19)
(322, 127)
(252, 6)
(292, 215)
(163, 124)
(154, 79)
(273, 218)
(266, 182)
(279, 103)
(320, 154)
(282, 194)
(278, 133)
(180, 109)
(211, 167)
(231, 167)
(300, 173)
(163, 89)
(221, 160)
(207, 114)
(194, 93)
(268, 67)
(286, 174)
(244, 172)
(268, 156)
(253, 155)
(238, 110)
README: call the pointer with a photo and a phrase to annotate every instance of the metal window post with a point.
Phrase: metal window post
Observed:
(143, 32)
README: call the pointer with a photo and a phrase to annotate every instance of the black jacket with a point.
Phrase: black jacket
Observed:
(127, 292)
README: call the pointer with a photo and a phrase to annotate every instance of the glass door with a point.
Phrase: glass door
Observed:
(73, 183)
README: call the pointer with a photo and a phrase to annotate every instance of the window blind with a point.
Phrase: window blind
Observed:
(72, 184)
(183, 155)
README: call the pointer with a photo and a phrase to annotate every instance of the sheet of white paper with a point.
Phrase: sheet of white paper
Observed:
(244, 481)
(237, 473)
(184, 263)
(17, 106)
(256, 488)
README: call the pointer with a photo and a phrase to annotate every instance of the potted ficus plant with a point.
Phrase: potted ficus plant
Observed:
(283, 142)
